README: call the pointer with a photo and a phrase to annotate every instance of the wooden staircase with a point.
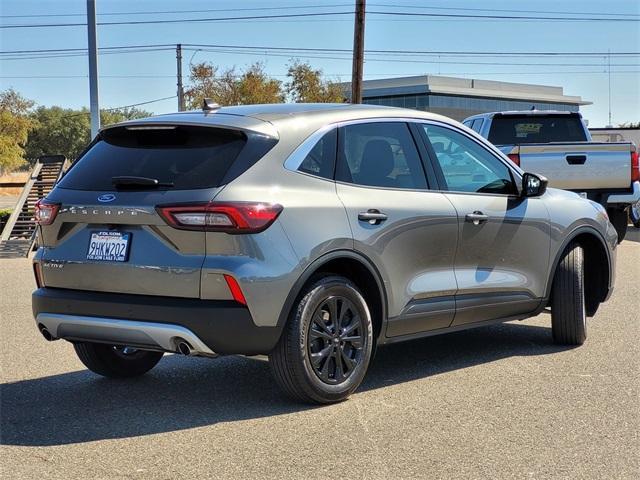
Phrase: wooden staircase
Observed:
(19, 234)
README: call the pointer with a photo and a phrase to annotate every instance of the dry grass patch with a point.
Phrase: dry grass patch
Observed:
(13, 177)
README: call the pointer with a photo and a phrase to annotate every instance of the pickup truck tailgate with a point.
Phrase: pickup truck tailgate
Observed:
(575, 166)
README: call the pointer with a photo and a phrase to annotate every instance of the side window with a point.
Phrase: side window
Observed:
(320, 161)
(466, 165)
(477, 123)
(468, 123)
(379, 155)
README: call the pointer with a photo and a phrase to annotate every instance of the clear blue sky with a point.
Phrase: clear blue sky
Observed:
(137, 77)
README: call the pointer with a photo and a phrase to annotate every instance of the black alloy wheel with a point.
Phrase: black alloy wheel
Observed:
(336, 340)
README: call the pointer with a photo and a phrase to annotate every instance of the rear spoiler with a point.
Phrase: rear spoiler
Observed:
(536, 113)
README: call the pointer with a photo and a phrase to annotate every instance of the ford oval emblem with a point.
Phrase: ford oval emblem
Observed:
(107, 197)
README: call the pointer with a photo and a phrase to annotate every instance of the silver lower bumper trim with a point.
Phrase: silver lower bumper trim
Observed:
(161, 336)
(628, 198)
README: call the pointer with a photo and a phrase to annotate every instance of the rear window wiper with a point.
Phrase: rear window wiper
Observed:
(138, 182)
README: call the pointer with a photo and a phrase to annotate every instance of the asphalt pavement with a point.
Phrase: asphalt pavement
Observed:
(496, 402)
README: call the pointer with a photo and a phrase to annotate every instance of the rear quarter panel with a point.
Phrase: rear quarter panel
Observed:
(312, 223)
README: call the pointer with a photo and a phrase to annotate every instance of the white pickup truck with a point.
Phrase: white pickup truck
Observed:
(558, 145)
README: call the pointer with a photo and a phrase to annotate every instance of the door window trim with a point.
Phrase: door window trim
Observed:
(516, 175)
(416, 143)
(423, 145)
(295, 159)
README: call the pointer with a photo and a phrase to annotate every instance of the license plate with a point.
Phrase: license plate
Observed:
(109, 246)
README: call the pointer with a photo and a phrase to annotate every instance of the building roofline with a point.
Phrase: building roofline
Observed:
(431, 84)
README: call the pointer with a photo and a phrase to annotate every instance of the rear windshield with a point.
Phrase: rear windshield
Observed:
(513, 130)
(179, 157)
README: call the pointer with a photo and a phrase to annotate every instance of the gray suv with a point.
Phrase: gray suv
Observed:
(309, 233)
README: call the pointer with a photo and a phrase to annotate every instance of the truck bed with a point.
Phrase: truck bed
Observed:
(577, 166)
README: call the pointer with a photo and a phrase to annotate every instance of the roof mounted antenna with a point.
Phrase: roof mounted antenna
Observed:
(533, 107)
(209, 105)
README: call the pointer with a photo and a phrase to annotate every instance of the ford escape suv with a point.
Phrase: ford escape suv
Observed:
(309, 233)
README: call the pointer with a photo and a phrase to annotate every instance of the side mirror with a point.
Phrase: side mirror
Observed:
(533, 185)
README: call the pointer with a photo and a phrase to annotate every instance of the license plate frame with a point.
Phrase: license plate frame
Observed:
(109, 246)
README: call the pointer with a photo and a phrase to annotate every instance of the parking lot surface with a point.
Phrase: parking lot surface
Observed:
(496, 402)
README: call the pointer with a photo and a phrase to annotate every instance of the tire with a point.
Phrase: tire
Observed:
(634, 214)
(116, 362)
(568, 314)
(619, 219)
(320, 358)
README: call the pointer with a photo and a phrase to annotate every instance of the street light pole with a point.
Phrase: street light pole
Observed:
(358, 53)
(93, 68)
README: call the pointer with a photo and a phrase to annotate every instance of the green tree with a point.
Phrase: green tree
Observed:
(109, 117)
(307, 85)
(15, 125)
(254, 86)
(63, 131)
(228, 87)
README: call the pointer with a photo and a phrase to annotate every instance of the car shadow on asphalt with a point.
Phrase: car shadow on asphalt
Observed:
(182, 393)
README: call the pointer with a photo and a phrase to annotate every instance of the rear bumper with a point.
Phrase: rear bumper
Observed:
(626, 198)
(210, 326)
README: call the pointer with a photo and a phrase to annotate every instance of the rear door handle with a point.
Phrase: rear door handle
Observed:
(576, 159)
(476, 217)
(373, 216)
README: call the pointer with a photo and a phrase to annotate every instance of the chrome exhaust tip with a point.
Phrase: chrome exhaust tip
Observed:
(184, 348)
(47, 334)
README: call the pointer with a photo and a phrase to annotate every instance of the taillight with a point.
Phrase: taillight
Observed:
(635, 167)
(37, 272)
(235, 289)
(515, 158)
(229, 217)
(45, 212)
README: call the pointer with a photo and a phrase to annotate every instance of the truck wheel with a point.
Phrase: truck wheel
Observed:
(619, 218)
(325, 348)
(116, 362)
(568, 315)
(634, 214)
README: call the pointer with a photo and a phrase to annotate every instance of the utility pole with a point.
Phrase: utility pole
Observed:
(93, 68)
(358, 53)
(609, 71)
(179, 73)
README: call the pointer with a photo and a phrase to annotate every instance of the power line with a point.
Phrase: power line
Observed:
(50, 50)
(80, 54)
(408, 74)
(163, 12)
(298, 7)
(199, 46)
(122, 107)
(325, 14)
(423, 7)
(413, 52)
(505, 17)
(181, 20)
(369, 58)
(340, 5)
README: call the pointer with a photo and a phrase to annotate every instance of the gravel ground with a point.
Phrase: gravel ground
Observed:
(496, 402)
